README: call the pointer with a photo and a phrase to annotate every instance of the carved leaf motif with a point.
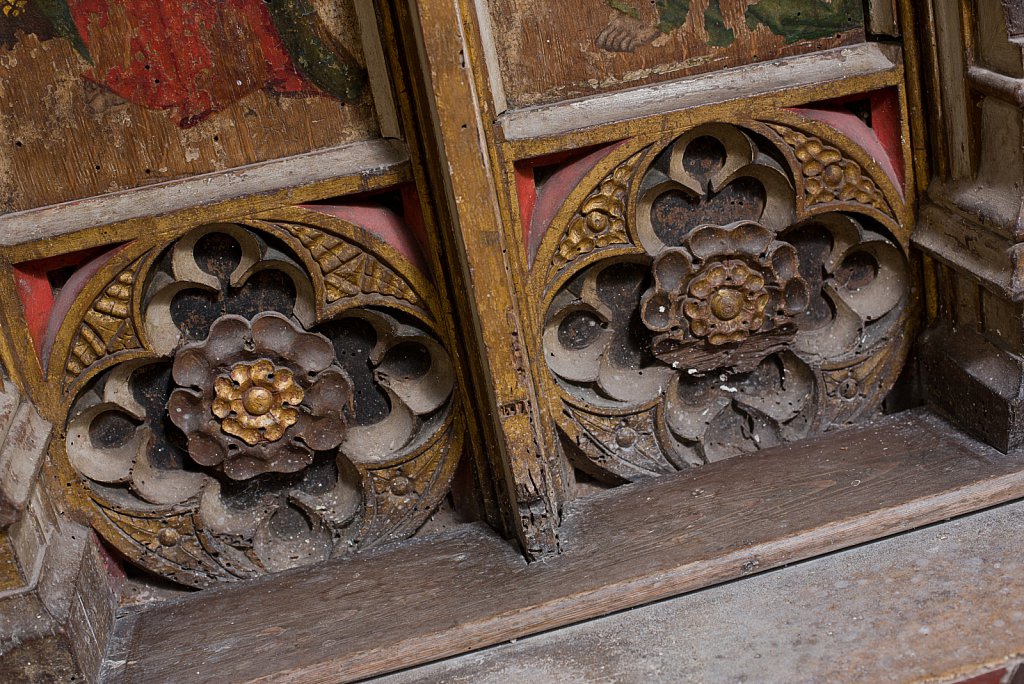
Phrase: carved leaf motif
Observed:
(172, 542)
(348, 269)
(624, 445)
(106, 328)
(828, 175)
(399, 497)
(601, 219)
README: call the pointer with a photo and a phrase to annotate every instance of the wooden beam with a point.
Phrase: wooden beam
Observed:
(247, 189)
(467, 588)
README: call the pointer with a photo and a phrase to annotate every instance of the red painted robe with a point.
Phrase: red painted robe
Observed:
(195, 57)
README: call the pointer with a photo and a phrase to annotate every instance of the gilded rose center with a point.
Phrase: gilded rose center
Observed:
(258, 401)
(727, 304)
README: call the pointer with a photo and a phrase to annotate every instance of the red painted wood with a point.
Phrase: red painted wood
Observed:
(994, 677)
(548, 197)
(412, 212)
(885, 121)
(189, 59)
(382, 222)
(881, 140)
(526, 190)
(42, 315)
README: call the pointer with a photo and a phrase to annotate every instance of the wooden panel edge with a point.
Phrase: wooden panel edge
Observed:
(335, 171)
(777, 78)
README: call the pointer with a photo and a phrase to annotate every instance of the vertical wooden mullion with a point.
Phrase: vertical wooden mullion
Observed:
(458, 138)
(492, 496)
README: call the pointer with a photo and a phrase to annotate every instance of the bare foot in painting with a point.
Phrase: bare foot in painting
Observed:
(100, 99)
(625, 34)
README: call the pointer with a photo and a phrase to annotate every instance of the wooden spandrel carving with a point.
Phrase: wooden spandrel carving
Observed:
(725, 290)
(257, 395)
(550, 51)
(101, 96)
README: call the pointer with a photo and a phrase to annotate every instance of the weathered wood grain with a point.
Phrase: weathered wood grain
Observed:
(936, 605)
(300, 178)
(556, 51)
(523, 453)
(468, 589)
(164, 97)
(798, 78)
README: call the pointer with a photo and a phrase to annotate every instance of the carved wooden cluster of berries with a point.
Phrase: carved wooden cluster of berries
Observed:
(828, 175)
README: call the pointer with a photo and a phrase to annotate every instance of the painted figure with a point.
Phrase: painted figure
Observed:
(194, 57)
(640, 22)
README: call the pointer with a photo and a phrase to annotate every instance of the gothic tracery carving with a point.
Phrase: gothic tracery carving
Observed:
(253, 432)
(735, 317)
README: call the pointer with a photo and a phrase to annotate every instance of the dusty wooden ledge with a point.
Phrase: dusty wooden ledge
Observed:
(937, 605)
(468, 589)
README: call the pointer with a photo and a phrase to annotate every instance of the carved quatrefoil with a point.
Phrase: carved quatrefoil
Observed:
(284, 400)
(757, 293)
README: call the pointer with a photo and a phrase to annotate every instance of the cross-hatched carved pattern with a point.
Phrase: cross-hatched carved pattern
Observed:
(348, 270)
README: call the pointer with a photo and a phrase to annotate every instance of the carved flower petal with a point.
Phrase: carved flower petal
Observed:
(672, 268)
(708, 241)
(785, 262)
(322, 433)
(205, 449)
(330, 393)
(226, 340)
(273, 334)
(242, 375)
(287, 458)
(796, 297)
(245, 467)
(656, 311)
(260, 372)
(186, 410)
(750, 238)
(191, 368)
(282, 382)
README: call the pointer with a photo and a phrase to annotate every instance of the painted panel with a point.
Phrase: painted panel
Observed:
(554, 51)
(102, 95)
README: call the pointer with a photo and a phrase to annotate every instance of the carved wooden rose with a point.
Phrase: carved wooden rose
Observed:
(243, 389)
(286, 401)
(724, 285)
(753, 292)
